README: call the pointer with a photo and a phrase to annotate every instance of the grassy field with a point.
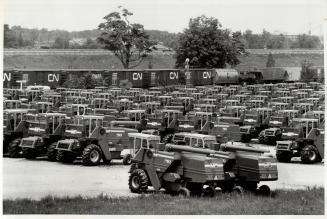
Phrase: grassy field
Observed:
(158, 61)
(303, 202)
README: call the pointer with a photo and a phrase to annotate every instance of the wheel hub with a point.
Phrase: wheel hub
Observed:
(94, 156)
(135, 182)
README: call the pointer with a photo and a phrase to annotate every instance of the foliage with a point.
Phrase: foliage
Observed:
(128, 41)
(61, 43)
(270, 61)
(87, 81)
(207, 45)
(307, 72)
(307, 42)
(308, 201)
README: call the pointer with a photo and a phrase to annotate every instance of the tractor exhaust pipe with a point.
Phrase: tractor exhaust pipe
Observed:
(178, 148)
(243, 148)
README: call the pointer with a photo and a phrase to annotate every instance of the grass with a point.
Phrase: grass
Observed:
(158, 61)
(282, 202)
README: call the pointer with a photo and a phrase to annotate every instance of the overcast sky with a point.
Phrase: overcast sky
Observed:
(285, 16)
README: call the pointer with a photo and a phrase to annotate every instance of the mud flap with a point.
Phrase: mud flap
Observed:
(153, 177)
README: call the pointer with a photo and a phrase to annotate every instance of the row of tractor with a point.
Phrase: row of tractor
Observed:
(112, 123)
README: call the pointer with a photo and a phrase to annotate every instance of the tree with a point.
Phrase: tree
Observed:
(307, 72)
(9, 38)
(270, 61)
(61, 43)
(207, 45)
(128, 41)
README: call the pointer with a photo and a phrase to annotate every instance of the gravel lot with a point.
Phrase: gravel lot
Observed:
(37, 178)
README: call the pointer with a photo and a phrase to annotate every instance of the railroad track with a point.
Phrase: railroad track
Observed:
(12, 52)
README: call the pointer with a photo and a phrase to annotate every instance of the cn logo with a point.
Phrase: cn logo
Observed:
(53, 77)
(173, 75)
(206, 74)
(137, 76)
(6, 76)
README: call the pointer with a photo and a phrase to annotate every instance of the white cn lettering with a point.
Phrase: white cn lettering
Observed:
(137, 76)
(53, 77)
(206, 74)
(173, 75)
(6, 76)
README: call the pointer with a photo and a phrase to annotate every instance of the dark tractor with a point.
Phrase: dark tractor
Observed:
(270, 136)
(89, 138)
(44, 132)
(15, 127)
(305, 141)
(185, 170)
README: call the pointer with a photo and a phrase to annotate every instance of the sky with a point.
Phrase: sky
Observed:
(279, 16)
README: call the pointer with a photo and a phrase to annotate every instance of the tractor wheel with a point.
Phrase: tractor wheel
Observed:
(238, 190)
(29, 153)
(264, 190)
(195, 188)
(261, 139)
(209, 192)
(65, 156)
(183, 191)
(127, 159)
(245, 138)
(167, 139)
(91, 155)
(138, 181)
(284, 156)
(309, 154)
(52, 152)
(13, 148)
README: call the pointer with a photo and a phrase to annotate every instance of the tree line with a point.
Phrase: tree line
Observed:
(20, 37)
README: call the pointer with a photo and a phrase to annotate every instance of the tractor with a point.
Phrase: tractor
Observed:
(43, 135)
(15, 128)
(303, 139)
(87, 137)
(185, 170)
(270, 136)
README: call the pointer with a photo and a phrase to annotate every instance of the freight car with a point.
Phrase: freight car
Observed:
(142, 78)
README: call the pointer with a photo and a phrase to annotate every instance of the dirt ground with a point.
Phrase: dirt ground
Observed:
(38, 178)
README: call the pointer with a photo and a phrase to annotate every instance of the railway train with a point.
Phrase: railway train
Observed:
(14, 78)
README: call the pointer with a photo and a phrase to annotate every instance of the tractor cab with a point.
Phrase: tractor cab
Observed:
(106, 96)
(196, 140)
(287, 99)
(34, 95)
(278, 106)
(299, 128)
(303, 107)
(75, 109)
(123, 104)
(46, 124)
(12, 119)
(42, 107)
(316, 114)
(116, 91)
(210, 108)
(150, 107)
(12, 104)
(255, 103)
(155, 93)
(132, 115)
(83, 126)
(76, 100)
(141, 140)
(165, 100)
(241, 97)
(146, 98)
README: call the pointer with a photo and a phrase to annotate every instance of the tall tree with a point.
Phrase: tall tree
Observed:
(207, 45)
(270, 61)
(128, 41)
(307, 72)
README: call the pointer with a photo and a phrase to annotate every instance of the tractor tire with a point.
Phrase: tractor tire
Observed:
(14, 149)
(138, 181)
(65, 156)
(264, 190)
(127, 159)
(183, 191)
(196, 189)
(238, 190)
(310, 154)
(209, 192)
(261, 139)
(245, 138)
(52, 152)
(29, 153)
(91, 155)
(167, 139)
(284, 156)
